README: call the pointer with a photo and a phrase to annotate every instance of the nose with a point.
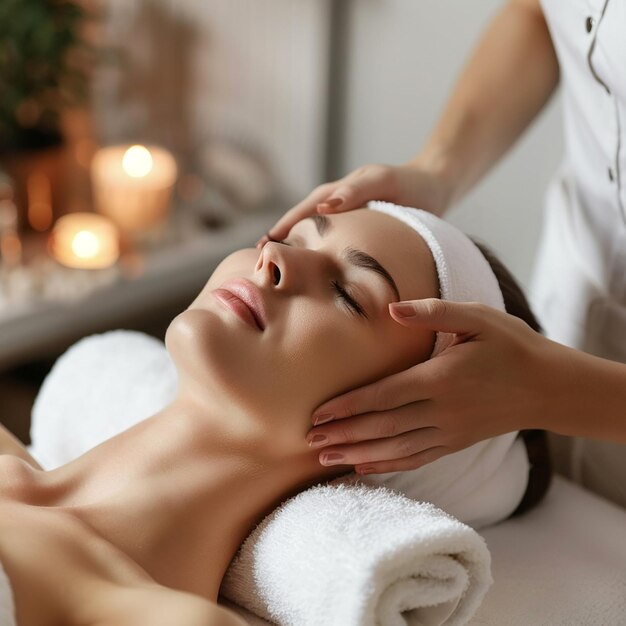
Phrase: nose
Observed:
(289, 268)
(272, 265)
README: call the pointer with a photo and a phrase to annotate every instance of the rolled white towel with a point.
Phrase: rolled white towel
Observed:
(356, 555)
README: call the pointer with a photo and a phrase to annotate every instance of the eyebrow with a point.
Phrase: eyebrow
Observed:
(358, 258)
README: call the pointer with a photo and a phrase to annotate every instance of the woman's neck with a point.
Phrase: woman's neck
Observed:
(179, 492)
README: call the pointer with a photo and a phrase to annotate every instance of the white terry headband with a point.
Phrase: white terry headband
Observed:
(464, 273)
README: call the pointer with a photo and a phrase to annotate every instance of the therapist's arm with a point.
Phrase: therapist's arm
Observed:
(590, 398)
(505, 83)
(507, 80)
(9, 444)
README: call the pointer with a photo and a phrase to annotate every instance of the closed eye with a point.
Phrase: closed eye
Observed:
(348, 299)
(351, 302)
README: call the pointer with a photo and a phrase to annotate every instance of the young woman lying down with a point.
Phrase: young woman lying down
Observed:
(141, 529)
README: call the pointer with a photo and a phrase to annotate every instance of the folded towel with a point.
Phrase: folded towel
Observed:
(356, 555)
(7, 609)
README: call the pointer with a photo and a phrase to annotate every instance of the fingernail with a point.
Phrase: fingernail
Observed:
(403, 309)
(367, 470)
(322, 418)
(333, 458)
(333, 202)
(317, 441)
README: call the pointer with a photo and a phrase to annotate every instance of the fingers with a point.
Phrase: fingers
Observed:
(414, 384)
(369, 182)
(303, 209)
(332, 205)
(402, 465)
(371, 426)
(381, 450)
(445, 315)
(262, 241)
(397, 439)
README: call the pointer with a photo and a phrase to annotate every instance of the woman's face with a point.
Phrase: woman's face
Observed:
(324, 292)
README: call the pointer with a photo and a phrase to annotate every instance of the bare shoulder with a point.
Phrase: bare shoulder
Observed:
(91, 582)
(161, 606)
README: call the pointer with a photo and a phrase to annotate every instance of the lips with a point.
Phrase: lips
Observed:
(245, 299)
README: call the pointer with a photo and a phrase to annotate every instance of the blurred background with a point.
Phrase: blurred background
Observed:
(142, 141)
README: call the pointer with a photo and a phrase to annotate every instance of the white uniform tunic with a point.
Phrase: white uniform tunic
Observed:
(579, 283)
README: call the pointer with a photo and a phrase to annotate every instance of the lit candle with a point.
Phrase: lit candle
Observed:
(85, 240)
(133, 185)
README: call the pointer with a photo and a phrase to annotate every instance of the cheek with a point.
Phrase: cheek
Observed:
(328, 351)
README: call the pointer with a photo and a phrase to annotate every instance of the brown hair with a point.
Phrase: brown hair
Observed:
(536, 440)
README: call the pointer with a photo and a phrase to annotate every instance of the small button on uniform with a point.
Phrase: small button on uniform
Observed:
(589, 22)
(611, 174)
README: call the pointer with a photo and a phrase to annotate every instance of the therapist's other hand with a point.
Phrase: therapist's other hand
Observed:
(495, 378)
(411, 184)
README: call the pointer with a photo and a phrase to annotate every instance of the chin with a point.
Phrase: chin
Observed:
(213, 356)
(184, 340)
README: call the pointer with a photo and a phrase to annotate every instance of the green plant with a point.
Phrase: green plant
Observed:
(40, 74)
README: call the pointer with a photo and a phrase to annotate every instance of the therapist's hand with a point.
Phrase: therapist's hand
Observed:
(498, 376)
(413, 184)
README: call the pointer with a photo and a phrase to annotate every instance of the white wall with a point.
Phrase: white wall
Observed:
(258, 72)
(403, 57)
(193, 71)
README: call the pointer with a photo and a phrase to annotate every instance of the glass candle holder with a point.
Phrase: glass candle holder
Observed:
(133, 186)
(85, 241)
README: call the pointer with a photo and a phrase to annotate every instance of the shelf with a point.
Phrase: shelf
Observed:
(140, 283)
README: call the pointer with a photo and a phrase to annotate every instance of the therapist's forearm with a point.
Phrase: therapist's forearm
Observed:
(506, 82)
(587, 397)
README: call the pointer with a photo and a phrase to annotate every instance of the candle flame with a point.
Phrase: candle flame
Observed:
(85, 244)
(137, 161)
